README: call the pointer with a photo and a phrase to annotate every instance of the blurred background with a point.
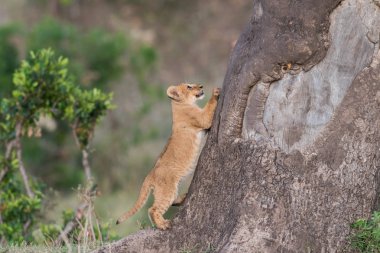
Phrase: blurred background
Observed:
(135, 49)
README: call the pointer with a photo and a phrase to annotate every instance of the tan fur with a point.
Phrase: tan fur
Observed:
(180, 154)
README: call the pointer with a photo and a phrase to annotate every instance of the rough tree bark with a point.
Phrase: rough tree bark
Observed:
(293, 155)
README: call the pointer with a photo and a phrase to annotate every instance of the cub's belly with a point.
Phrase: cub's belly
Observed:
(199, 143)
(182, 152)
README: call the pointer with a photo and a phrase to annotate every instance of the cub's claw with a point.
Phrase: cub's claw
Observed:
(216, 92)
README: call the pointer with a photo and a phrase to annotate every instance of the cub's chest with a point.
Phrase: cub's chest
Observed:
(199, 137)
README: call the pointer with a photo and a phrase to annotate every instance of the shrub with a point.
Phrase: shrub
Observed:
(42, 86)
(366, 234)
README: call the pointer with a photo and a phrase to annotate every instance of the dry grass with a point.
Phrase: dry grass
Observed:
(72, 248)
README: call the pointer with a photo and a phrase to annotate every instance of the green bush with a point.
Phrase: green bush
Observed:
(42, 86)
(95, 61)
(95, 55)
(366, 234)
(9, 58)
(16, 208)
(89, 107)
(101, 52)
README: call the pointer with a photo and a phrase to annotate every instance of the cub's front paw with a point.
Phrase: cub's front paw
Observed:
(216, 92)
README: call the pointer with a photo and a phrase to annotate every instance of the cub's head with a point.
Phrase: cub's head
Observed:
(185, 93)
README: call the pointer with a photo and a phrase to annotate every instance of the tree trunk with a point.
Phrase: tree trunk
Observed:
(292, 158)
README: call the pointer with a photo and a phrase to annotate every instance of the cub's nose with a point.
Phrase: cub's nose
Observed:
(200, 94)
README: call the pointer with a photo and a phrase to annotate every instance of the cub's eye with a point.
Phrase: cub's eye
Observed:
(201, 86)
(189, 87)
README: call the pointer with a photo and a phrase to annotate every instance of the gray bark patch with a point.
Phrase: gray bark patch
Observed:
(300, 106)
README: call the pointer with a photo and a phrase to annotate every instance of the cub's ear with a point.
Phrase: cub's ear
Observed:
(172, 93)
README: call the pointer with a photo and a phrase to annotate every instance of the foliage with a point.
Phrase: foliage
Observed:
(142, 62)
(90, 106)
(8, 56)
(95, 54)
(42, 86)
(16, 208)
(366, 237)
(95, 61)
(7, 110)
(101, 52)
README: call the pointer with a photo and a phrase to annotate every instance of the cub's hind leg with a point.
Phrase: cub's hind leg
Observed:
(163, 198)
(179, 200)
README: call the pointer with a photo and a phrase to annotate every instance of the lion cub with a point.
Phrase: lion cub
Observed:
(180, 155)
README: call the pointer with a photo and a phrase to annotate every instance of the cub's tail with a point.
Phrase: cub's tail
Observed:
(143, 196)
